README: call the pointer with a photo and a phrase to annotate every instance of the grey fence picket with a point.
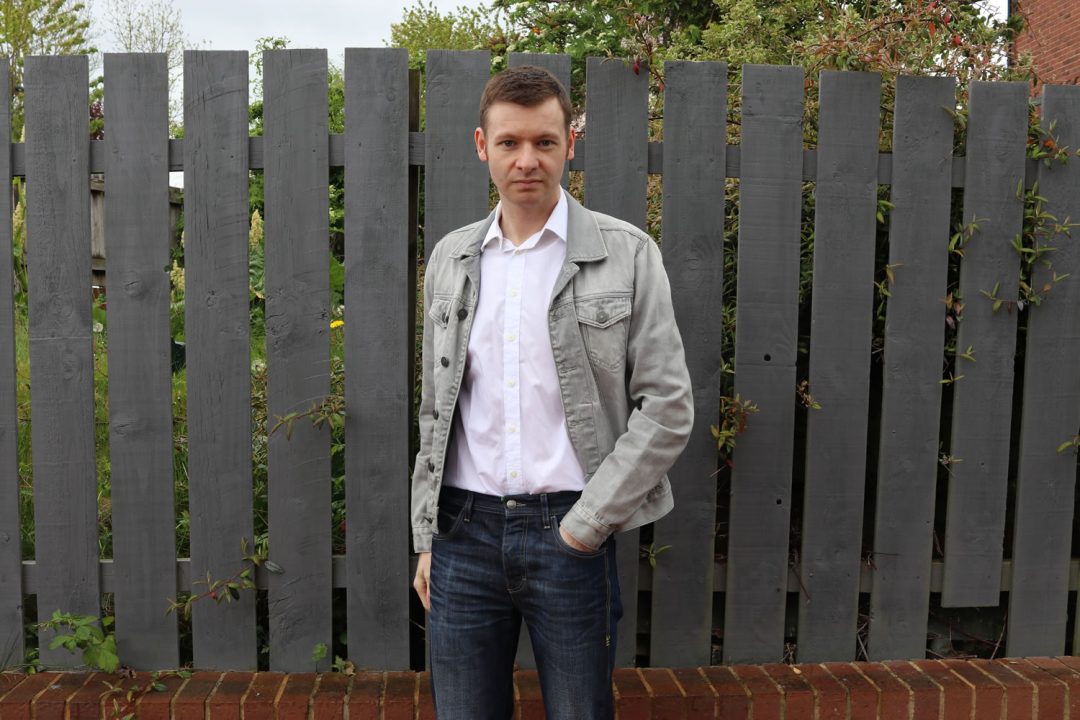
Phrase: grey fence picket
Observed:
(455, 181)
(982, 399)
(140, 389)
(695, 112)
(378, 347)
(61, 341)
(218, 353)
(770, 198)
(911, 391)
(297, 353)
(615, 182)
(11, 585)
(845, 203)
(1046, 478)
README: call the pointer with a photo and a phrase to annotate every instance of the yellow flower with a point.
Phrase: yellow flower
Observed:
(334, 324)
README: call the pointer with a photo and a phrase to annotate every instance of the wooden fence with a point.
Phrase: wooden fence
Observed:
(873, 442)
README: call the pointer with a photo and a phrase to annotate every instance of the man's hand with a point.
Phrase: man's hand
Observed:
(422, 582)
(571, 541)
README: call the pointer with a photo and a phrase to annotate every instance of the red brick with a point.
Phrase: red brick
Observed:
(957, 696)
(399, 698)
(798, 695)
(700, 695)
(894, 697)
(153, 704)
(1019, 691)
(632, 700)
(258, 701)
(15, 705)
(732, 699)
(988, 695)
(530, 700)
(191, 702)
(294, 698)
(50, 704)
(1069, 676)
(1051, 693)
(765, 696)
(668, 699)
(328, 702)
(830, 696)
(86, 703)
(366, 696)
(862, 695)
(926, 698)
(9, 680)
(224, 702)
(425, 705)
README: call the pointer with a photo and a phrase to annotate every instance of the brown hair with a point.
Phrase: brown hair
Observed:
(526, 85)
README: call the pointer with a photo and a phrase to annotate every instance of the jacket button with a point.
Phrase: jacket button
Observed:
(431, 466)
(462, 314)
(446, 318)
(445, 361)
(435, 414)
(601, 316)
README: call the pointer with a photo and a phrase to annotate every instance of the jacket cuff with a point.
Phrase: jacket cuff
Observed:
(584, 528)
(421, 540)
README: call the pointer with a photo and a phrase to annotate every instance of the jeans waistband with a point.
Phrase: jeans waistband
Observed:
(542, 504)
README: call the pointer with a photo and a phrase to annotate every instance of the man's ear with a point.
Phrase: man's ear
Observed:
(481, 144)
(571, 138)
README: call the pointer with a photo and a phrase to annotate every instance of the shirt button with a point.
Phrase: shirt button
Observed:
(435, 414)
(512, 428)
(444, 361)
(510, 338)
(462, 314)
(513, 293)
(510, 383)
(513, 473)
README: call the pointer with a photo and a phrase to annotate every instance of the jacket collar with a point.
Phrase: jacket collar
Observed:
(584, 243)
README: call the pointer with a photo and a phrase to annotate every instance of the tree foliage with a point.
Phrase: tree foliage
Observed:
(39, 27)
(423, 27)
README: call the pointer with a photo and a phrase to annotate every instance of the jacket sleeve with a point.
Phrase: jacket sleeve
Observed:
(662, 409)
(421, 476)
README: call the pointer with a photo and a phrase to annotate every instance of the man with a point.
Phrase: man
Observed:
(555, 398)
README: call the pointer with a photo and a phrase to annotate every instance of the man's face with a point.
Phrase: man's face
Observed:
(525, 149)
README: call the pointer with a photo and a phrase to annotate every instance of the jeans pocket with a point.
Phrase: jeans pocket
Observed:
(448, 522)
(562, 545)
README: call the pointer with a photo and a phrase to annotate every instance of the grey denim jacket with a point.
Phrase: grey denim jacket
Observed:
(622, 372)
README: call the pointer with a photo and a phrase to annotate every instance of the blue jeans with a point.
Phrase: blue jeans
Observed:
(496, 561)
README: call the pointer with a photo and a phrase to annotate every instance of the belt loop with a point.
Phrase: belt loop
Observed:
(544, 510)
(466, 514)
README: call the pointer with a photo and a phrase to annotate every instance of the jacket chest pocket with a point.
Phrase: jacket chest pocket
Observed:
(439, 313)
(603, 321)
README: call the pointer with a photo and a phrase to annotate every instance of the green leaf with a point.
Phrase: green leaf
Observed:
(273, 567)
(318, 652)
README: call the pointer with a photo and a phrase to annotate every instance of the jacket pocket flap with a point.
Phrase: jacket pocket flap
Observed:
(602, 312)
(439, 311)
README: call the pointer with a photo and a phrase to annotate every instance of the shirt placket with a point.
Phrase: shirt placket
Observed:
(515, 479)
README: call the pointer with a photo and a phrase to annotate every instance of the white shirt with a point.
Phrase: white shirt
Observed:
(509, 435)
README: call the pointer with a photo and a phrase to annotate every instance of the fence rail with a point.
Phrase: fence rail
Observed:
(856, 483)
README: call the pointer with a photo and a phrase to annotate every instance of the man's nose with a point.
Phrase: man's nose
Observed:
(527, 158)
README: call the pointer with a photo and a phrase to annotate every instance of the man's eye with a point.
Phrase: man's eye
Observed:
(507, 143)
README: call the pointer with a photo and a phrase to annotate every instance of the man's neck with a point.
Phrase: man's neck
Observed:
(518, 224)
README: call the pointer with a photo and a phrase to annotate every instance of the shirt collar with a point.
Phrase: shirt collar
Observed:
(556, 224)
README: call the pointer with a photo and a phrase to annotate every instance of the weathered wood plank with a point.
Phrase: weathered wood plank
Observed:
(61, 342)
(140, 389)
(911, 392)
(557, 65)
(982, 399)
(770, 196)
(11, 586)
(844, 229)
(455, 181)
(616, 104)
(695, 108)
(217, 329)
(378, 347)
(1046, 479)
(298, 353)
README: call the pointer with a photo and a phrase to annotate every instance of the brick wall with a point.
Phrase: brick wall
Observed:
(1016, 689)
(1052, 37)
